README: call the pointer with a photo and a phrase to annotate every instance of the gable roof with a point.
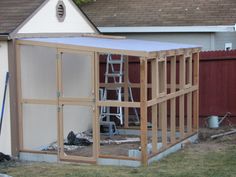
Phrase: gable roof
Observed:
(14, 12)
(128, 13)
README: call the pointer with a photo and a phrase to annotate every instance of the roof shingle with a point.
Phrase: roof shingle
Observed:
(14, 12)
(117, 13)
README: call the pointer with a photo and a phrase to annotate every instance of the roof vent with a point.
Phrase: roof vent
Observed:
(61, 11)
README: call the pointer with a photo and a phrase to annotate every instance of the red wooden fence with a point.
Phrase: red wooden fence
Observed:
(217, 84)
(217, 87)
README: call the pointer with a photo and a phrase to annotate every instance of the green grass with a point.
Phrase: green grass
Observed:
(206, 159)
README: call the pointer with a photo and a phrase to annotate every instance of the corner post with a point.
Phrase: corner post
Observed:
(143, 109)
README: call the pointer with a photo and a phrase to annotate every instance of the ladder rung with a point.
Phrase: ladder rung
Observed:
(113, 88)
(113, 74)
(110, 114)
(115, 61)
(112, 100)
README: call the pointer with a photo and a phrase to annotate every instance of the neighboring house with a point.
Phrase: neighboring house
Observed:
(31, 18)
(210, 24)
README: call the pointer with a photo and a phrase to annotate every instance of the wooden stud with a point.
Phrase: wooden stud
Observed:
(126, 91)
(181, 98)
(182, 71)
(196, 93)
(189, 96)
(60, 124)
(19, 94)
(162, 77)
(172, 101)
(162, 82)
(97, 113)
(191, 70)
(154, 107)
(163, 117)
(143, 109)
(94, 93)
(61, 150)
(189, 112)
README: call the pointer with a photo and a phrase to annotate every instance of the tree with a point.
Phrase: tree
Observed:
(79, 2)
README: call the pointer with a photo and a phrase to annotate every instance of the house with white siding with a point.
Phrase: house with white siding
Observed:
(210, 24)
(30, 18)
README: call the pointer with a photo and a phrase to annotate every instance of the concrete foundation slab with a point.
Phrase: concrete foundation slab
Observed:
(173, 149)
(118, 162)
(51, 158)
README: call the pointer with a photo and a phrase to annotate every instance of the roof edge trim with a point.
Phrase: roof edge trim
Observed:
(15, 31)
(4, 37)
(167, 29)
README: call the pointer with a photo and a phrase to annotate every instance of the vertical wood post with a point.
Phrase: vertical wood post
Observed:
(59, 112)
(189, 112)
(189, 97)
(181, 98)
(196, 93)
(163, 116)
(154, 108)
(126, 91)
(143, 108)
(96, 135)
(172, 101)
(19, 94)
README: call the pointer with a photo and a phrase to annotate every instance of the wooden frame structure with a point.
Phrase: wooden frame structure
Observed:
(163, 101)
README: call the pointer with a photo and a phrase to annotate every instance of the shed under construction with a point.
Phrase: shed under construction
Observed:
(59, 91)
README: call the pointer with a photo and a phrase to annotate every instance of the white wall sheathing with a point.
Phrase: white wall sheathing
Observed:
(45, 20)
(5, 137)
(77, 75)
(77, 119)
(39, 126)
(39, 81)
(38, 72)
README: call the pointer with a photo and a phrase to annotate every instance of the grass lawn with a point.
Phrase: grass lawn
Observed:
(207, 158)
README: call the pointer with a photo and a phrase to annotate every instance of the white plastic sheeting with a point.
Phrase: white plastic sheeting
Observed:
(115, 44)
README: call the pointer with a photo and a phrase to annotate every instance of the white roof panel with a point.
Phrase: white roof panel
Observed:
(115, 44)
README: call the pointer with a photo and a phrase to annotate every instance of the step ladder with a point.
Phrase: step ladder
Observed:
(114, 70)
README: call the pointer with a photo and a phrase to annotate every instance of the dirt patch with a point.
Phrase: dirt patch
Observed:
(206, 144)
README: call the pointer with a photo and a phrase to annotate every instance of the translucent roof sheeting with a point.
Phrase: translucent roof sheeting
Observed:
(114, 44)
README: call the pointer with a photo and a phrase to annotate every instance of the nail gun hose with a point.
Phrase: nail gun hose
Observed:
(3, 101)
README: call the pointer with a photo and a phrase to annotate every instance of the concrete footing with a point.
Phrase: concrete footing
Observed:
(53, 158)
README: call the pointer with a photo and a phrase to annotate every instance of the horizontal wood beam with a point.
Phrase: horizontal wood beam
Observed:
(119, 104)
(39, 101)
(132, 85)
(172, 95)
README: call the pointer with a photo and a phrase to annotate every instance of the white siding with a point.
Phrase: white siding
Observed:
(222, 38)
(45, 20)
(5, 137)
